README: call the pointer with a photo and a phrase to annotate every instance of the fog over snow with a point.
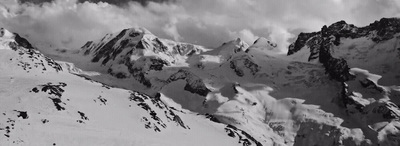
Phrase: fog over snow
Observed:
(70, 23)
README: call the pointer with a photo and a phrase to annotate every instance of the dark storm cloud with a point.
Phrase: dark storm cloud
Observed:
(114, 2)
(124, 2)
(35, 1)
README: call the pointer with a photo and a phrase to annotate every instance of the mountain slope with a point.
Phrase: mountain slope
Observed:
(374, 47)
(365, 60)
(332, 89)
(42, 103)
(275, 100)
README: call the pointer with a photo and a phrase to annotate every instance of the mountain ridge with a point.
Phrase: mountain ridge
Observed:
(331, 90)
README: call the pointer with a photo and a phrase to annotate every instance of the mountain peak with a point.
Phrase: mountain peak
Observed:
(238, 42)
(8, 36)
(139, 29)
(264, 42)
(5, 34)
(227, 49)
(136, 31)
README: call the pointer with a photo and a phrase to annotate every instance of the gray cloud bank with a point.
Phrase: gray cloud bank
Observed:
(120, 3)
(70, 23)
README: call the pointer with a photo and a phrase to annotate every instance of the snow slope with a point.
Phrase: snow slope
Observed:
(276, 100)
(338, 86)
(42, 103)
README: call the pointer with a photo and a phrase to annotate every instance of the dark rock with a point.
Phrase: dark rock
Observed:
(247, 62)
(54, 89)
(103, 100)
(107, 51)
(300, 42)
(36, 90)
(83, 116)
(194, 84)
(212, 118)
(244, 138)
(22, 42)
(157, 64)
(44, 121)
(321, 42)
(57, 102)
(23, 114)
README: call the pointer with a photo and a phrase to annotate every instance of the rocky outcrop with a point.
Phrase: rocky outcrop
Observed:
(378, 31)
(244, 138)
(314, 133)
(337, 68)
(108, 51)
(154, 121)
(302, 40)
(29, 58)
(375, 117)
(22, 42)
(320, 43)
(55, 91)
(241, 64)
(194, 84)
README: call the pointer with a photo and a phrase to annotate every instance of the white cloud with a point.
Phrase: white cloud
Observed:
(245, 34)
(171, 30)
(66, 23)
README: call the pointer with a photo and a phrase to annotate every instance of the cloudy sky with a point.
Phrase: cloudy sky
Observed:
(70, 23)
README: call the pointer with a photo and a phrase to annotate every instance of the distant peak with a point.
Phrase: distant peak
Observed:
(7, 35)
(4, 33)
(386, 22)
(135, 32)
(263, 42)
(341, 22)
(393, 19)
(140, 30)
(238, 40)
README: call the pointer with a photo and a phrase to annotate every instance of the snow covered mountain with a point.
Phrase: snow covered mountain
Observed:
(366, 61)
(338, 86)
(44, 102)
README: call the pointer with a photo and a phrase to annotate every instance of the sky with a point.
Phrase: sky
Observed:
(71, 23)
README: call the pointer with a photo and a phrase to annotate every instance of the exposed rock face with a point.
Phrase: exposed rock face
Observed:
(228, 49)
(312, 133)
(243, 63)
(337, 68)
(302, 39)
(108, 51)
(23, 42)
(154, 121)
(194, 84)
(135, 52)
(156, 63)
(372, 105)
(369, 103)
(378, 31)
(320, 43)
(29, 58)
(244, 138)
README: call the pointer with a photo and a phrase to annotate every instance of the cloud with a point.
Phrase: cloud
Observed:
(64, 23)
(70, 23)
(245, 34)
(114, 2)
